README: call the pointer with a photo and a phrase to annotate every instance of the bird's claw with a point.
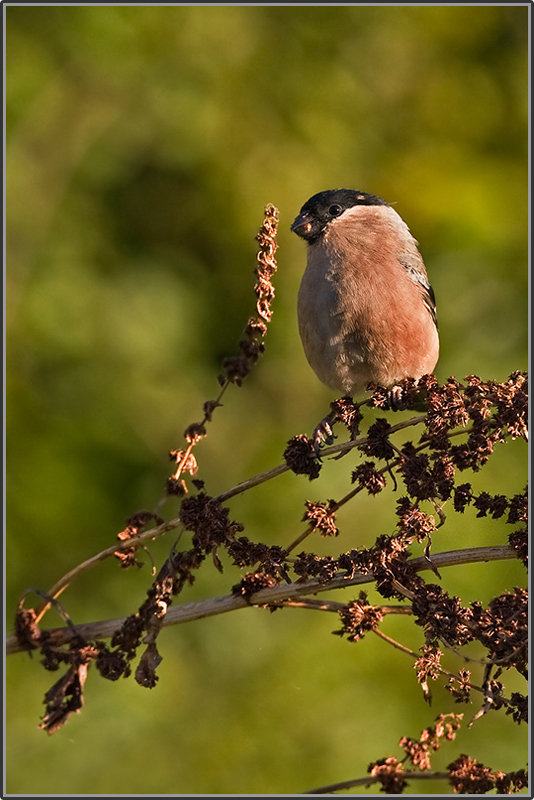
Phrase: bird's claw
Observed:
(397, 398)
(401, 399)
(323, 434)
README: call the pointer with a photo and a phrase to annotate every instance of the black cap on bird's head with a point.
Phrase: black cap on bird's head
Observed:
(323, 207)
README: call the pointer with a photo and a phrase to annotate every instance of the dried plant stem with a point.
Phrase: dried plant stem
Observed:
(244, 486)
(339, 787)
(270, 596)
(395, 644)
(345, 447)
(240, 488)
(443, 671)
(85, 566)
(333, 605)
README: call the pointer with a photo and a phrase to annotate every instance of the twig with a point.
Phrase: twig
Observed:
(395, 644)
(334, 605)
(339, 787)
(85, 566)
(270, 596)
(443, 671)
(345, 447)
(159, 530)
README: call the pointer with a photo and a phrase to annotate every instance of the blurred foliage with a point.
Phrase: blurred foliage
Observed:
(142, 146)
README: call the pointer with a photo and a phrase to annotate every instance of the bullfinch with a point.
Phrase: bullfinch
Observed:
(366, 310)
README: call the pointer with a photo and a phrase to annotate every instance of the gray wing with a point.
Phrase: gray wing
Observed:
(417, 273)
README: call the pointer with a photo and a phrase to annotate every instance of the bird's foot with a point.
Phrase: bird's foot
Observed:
(323, 434)
(397, 398)
(401, 398)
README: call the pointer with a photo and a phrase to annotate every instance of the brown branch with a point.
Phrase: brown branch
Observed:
(443, 671)
(345, 447)
(270, 596)
(251, 348)
(339, 787)
(85, 566)
(395, 644)
(240, 488)
(335, 606)
(336, 449)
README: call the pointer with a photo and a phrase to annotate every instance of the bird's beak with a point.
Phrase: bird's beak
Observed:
(305, 226)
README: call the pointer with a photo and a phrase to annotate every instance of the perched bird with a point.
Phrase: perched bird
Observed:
(366, 310)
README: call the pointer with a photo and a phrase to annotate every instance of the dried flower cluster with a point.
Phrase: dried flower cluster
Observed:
(466, 775)
(251, 346)
(389, 773)
(134, 525)
(469, 776)
(359, 617)
(322, 517)
(419, 752)
(236, 368)
(301, 458)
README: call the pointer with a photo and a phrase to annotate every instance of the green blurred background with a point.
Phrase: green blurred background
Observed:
(142, 146)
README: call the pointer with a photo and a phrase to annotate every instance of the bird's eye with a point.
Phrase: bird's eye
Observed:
(335, 210)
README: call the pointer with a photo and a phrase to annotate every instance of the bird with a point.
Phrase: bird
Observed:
(366, 310)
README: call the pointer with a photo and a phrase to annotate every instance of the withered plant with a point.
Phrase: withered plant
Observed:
(457, 427)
